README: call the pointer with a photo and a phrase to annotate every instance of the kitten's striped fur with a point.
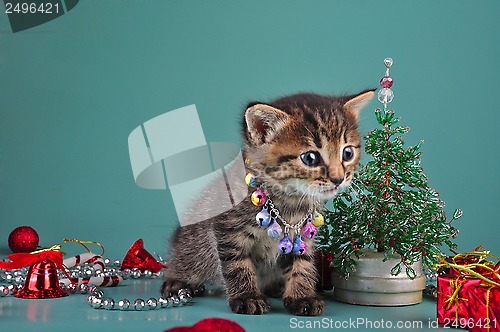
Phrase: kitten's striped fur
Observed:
(232, 248)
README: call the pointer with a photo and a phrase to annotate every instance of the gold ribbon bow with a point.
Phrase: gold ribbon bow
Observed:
(471, 262)
(455, 287)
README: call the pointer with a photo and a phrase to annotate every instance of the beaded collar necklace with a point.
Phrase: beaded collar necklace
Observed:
(270, 218)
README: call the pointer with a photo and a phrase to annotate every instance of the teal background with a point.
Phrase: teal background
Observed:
(73, 89)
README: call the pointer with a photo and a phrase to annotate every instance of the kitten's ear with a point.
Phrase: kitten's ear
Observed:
(263, 122)
(357, 102)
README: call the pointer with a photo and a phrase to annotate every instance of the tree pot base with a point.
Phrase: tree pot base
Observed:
(373, 284)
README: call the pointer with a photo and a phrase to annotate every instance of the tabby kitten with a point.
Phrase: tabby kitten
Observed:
(302, 148)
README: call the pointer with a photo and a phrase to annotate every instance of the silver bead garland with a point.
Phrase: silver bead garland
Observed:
(15, 280)
(97, 300)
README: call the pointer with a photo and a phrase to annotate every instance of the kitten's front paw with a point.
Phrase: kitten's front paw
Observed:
(171, 287)
(305, 306)
(250, 305)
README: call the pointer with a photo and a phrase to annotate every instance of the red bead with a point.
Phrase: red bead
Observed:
(386, 82)
(23, 239)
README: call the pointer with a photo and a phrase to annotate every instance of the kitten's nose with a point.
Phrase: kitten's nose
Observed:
(337, 181)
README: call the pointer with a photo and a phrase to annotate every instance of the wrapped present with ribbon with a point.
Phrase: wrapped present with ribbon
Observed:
(463, 290)
(452, 300)
(484, 308)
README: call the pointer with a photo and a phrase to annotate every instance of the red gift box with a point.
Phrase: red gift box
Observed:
(453, 301)
(484, 308)
(469, 296)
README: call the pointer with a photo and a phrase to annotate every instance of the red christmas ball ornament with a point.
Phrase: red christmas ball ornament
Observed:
(210, 324)
(23, 239)
(217, 324)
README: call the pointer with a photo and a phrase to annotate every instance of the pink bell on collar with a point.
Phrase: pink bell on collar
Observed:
(42, 282)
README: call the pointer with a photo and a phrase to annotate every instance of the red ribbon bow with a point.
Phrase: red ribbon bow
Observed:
(20, 260)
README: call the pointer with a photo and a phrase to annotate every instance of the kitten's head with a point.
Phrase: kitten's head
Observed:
(304, 145)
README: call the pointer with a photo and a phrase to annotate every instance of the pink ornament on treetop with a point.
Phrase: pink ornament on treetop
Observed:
(386, 82)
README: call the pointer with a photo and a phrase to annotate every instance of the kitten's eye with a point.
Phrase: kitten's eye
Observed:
(310, 158)
(348, 153)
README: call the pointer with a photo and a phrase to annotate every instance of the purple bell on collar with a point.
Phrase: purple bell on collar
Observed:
(285, 245)
(274, 230)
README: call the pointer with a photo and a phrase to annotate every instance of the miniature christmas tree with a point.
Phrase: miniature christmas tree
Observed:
(389, 205)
